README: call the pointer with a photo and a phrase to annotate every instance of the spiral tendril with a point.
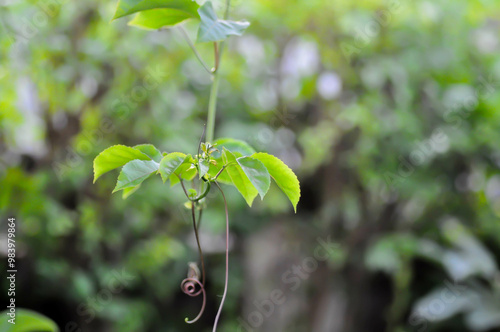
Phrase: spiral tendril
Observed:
(189, 285)
(193, 287)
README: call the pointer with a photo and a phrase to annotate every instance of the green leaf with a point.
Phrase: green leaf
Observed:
(27, 321)
(187, 171)
(170, 164)
(284, 177)
(134, 173)
(239, 178)
(150, 150)
(127, 7)
(213, 29)
(235, 146)
(114, 157)
(204, 166)
(257, 174)
(155, 19)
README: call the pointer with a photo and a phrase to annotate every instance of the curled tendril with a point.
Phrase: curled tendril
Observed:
(189, 285)
(193, 287)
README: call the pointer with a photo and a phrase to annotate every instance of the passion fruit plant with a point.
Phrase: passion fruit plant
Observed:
(221, 161)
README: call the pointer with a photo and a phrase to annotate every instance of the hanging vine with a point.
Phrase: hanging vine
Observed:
(220, 161)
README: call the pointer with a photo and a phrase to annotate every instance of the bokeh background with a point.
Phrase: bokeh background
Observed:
(386, 110)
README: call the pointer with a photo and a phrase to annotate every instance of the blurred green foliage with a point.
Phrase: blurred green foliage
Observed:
(386, 110)
(26, 321)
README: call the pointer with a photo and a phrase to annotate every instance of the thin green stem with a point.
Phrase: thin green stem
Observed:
(223, 43)
(212, 104)
(216, 56)
(203, 194)
(195, 51)
(228, 7)
(212, 107)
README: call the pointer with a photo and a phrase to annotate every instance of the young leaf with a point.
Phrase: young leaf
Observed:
(114, 157)
(155, 19)
(192, 192)
(134, 173)
(282, 175)
(127, 7)
(150, 150)
(237, 147)
(234, 145)
(256, 173)
(204, 166)
(186, 171)
(170, 164)
(27, 320)
(213, 29)
(239, 178)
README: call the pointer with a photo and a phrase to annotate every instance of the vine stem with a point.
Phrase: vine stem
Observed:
(188, 285)
(212, 107)
(227, 259)
(195, 227)
(197, 198)
(212, 104)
